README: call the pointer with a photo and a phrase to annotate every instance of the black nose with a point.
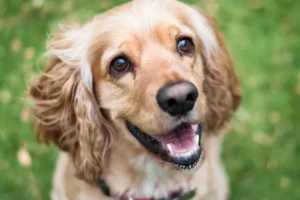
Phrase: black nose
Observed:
(177, 98)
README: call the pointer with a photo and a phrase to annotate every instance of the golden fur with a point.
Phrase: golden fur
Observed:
(82, 109)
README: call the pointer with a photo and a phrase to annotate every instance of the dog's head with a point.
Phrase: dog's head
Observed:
(148, 73)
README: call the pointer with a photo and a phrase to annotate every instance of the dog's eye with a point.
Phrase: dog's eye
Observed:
(119, 65)
(185, 46)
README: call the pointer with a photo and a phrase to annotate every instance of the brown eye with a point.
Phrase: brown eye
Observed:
(119, 65)
(185, 46)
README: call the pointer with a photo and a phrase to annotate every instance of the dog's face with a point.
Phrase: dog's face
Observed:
(151, 78)
(148, 78)
(156, 70)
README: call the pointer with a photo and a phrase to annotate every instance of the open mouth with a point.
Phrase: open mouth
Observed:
(179, 147)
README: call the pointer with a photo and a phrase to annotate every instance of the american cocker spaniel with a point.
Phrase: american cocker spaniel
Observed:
(128, 95)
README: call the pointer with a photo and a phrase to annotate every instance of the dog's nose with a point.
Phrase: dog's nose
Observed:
(177, 98)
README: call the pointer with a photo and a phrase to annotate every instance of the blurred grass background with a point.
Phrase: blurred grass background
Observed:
(261, 154)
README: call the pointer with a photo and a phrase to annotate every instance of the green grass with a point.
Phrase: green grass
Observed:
(260, 154)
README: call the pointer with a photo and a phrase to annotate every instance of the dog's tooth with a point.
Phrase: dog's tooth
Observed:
(197, 140)
(169, 146)
(195, 149)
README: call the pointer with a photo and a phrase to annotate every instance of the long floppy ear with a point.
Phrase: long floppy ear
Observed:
(221, 85)
(66, 111)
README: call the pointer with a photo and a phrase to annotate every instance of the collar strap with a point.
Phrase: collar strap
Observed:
(104, 187)
(176, 195)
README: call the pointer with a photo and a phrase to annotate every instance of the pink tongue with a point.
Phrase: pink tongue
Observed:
(182, 139)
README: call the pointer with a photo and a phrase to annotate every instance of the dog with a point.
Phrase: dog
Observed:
(138, 100)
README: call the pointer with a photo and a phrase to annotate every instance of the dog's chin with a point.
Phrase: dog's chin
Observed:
(178, 149)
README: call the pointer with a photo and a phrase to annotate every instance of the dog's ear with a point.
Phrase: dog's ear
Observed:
(221, 85)
(66, 111)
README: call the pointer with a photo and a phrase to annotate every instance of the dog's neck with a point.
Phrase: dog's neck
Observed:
(141, 176)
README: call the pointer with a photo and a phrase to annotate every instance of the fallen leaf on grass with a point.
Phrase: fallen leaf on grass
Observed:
(24, 157)
(29, 53)
(16, 45)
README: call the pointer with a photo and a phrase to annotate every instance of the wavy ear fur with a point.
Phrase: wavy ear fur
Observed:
(221, 85)
(66, 111)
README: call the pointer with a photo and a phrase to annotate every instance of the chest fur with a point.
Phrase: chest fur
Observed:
(156, 181)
